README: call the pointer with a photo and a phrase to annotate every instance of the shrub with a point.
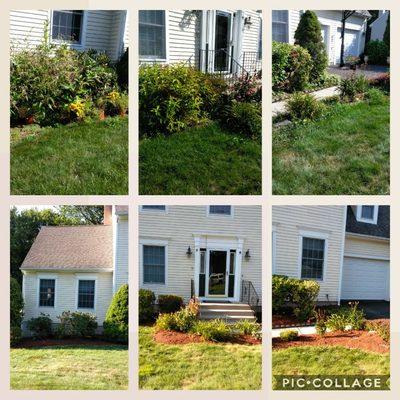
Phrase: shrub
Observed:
(45, 80)
(41, 327)
(381, 327)
(337, 322)
(243, 118)
(320, 321)
(289, 335)
(185, 319)
(116, 323)
(291, 67)
(213, 94)
(377, 52)
(122, 68)
(114, 103)
(169, 303)
(382, 81)
(355, 317)
(247, 89)
(166, 322)
(375, 96)
(146, 305)
(76, 324)
(308, 35)
(304, 107)
(352, 88)
(245, 327)
(214, 330)
(16, 311)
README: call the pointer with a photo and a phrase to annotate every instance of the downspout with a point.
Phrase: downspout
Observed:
(342, 253)
(115, 241)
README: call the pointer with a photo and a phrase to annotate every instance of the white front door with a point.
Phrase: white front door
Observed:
(217, 276)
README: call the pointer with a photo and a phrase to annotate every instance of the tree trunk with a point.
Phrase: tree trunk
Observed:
(342, 38)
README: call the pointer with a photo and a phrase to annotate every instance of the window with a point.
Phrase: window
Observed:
(202, 261)
(67, 25)
(47, 292)
(152, 43)
(220, 210)
(367, 214)
(155, 208)
(312, 260)
(280, 25)
(153, 264)
(86, 294)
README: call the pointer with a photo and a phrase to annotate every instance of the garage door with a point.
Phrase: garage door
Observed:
(365, 279)
(350, 43)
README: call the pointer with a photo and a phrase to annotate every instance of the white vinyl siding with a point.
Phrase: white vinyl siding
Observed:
(121, 252)
(178, 227)
(367, 247)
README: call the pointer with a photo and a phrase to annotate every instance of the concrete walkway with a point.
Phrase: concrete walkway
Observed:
(279, 107)
(304, 330)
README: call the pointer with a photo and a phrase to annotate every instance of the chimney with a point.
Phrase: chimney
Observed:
(107, 220)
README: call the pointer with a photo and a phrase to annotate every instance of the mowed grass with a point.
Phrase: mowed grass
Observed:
(198, 365)
(328, 360)
(70, 367)
(347, 152)
(202, 160)
(80, 158)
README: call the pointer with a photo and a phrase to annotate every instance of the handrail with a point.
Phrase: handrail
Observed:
(249, 295)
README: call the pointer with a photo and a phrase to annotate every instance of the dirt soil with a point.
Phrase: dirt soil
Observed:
(283, 321)
(28, 343)
(362, 340)
(172, 337)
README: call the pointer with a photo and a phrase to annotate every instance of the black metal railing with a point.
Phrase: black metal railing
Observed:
(249, 295)
(192, 292)
(251, 61)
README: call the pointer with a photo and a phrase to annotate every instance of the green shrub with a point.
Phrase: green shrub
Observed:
(247, 89)
(76, 324)
(304, 107)
(46, 79)
(245, 327)
(40, 327)
(214, 330)
(337, 322)
(375, 96)
(355, 317)
(289, 335)
(243, 118)
(381, 327)
(352, 88)
(308, 36)
(122, 69)
(114, 103)
(291, 67)
(169, 303)
(213, 94)
(16, 311)
(180, 321)
(166, 322)
(320, 321)
(377, 52)
(146, 305)
(116, 323)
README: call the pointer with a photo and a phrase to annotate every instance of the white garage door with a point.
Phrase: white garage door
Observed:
(350, 43)
(365, 279)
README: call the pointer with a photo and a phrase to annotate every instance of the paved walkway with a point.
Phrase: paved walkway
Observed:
(304, 330)
(279, 106)
(370, 71)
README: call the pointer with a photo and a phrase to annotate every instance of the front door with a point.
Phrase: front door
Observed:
(223, 35)
(218, 273)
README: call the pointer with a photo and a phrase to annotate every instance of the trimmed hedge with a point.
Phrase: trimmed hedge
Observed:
(169, 303)
(377, 52)
(116, 323)
(146, 305)
(16, 311)
(76, 324)
(40, 327)
(301, 295)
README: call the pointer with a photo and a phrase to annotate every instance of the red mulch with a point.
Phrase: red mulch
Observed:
(28, 343)
(361, 340)
(283, 321)
(172, 337)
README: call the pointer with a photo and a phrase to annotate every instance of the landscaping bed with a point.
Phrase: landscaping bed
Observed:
(284, 321)
(52, 342)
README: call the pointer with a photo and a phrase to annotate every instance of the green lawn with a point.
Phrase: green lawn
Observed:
(70, 367)
(328, 360)
(203, 160)
(197, 365)
(347, 152)
(80, 158)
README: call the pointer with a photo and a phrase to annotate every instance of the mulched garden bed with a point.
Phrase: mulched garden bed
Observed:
(362, 340)
(29, 343)
(172, 337)
(288, 321)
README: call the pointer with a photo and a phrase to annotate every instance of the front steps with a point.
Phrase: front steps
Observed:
(229, 312)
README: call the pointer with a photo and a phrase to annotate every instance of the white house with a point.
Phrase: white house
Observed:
(211, 252)
(378, 27)
(102, 30)
(285, 22)
(76, 268)
(346, 249)
(213, 40)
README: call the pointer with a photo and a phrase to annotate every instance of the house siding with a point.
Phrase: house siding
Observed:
(367, 248)
(121, 252)
(178, 226)
(289, 221)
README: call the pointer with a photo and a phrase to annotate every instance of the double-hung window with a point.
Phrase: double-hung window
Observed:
(312, 258)
(67, 26)
(280, 25)
(86, 293)
(154, 264)
(153, 208)
(152, 34)
(220, 210)
(47, 291)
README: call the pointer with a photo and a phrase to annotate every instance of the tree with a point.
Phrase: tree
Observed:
(308, 35)
(386, 35)
(346, 14)
(16, 311)
(374, 16)
(90, 215)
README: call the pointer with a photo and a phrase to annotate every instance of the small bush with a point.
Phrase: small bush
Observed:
(214, 330)
(76, 324)
(169, 303)
(213, 94)
(382, 81)
(320, 321)
(244, 118)
(289, 335)
(377, 52)
(353, 87)
(114, 103)
(146, 305)
(40, 327)
(304, 107)
(245, 327)
(247, 89)
(355, 317)
(337, 322)
(166, 322)
(16, 311)
(375, 96)
(180, 321)
(291, 67)
(381, 327)
(122, 69)
(116, 323)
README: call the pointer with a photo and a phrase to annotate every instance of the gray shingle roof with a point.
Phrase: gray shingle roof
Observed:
(381, 229)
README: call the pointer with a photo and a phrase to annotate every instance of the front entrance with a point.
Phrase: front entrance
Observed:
(223, 38)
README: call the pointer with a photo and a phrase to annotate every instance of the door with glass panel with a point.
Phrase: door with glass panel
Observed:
(223, 38)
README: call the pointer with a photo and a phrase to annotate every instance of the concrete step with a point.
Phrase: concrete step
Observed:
(229, 312)
(226, 311)
(228, 318)
(224, 306)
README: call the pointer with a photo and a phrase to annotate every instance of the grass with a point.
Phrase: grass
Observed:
(70, 367)
(328, 360)
(197, 365)
(347, 152)
(202, 160)
(80, 158)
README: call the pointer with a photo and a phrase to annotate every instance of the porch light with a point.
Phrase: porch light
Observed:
(247, 21)
(247, 255)
(189, 252)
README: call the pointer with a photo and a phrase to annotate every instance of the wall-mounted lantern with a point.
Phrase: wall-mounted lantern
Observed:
(189, 251)
(247, 21)
(247, 255)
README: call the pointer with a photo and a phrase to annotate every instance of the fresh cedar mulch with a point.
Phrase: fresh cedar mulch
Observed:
(172, 337)
(362, 340)
(29, 343)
